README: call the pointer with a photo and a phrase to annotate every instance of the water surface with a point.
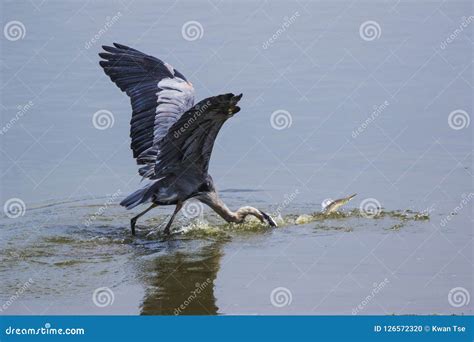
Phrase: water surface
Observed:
(73, 239)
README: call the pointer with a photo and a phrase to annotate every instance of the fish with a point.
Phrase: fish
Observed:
(332, 206)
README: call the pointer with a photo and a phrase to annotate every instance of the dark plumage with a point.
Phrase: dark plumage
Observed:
(171, 137)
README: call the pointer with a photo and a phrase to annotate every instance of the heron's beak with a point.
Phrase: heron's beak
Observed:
(269, 219)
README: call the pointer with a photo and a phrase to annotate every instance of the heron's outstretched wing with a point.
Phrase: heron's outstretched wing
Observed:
(189, 142)
(159, 95)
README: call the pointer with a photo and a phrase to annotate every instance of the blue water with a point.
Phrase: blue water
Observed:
(321, 71)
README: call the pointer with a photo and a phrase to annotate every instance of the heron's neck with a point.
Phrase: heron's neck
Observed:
(230, 216)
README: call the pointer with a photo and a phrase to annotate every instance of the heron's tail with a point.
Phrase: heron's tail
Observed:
(138, 197)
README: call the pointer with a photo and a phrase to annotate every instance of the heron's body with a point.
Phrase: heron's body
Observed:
(168, 190)
(172, 139)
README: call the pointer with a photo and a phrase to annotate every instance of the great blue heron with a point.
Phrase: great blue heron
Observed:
(171, 137)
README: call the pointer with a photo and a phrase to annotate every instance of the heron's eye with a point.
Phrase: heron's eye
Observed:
(204, 187)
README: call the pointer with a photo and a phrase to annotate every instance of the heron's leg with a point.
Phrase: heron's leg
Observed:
(133, 221)
(178, 208)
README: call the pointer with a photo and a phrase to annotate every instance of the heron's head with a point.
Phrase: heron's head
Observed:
(268, 219)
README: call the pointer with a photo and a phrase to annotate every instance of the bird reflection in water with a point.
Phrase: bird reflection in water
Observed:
(181, 281)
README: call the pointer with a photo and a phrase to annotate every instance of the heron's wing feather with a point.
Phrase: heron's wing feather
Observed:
(189, 142)
(159, 95)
